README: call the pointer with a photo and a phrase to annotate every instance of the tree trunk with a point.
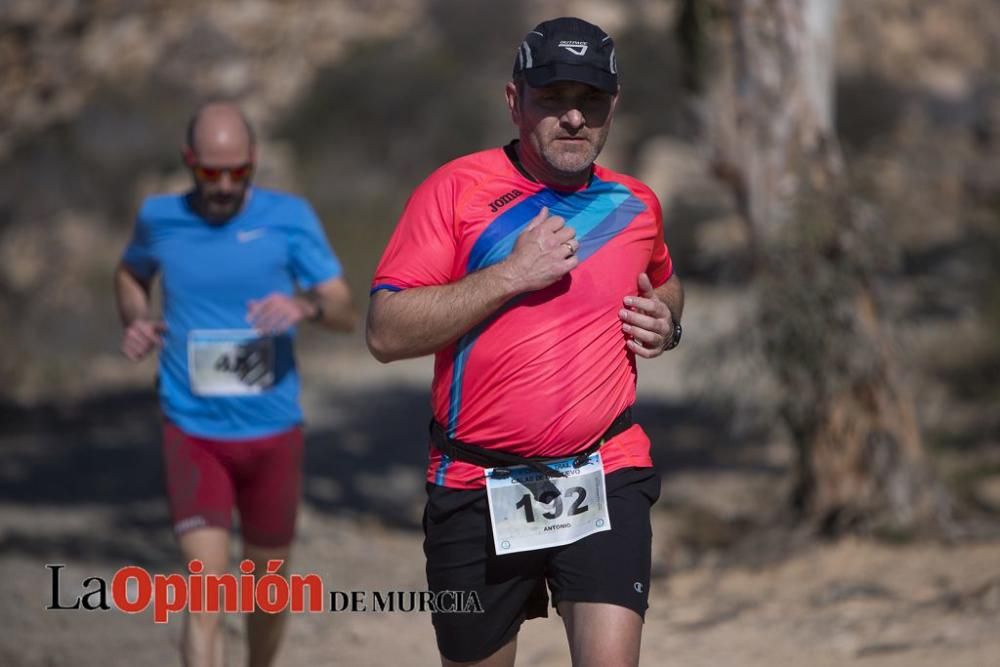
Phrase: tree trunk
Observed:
(815, 253)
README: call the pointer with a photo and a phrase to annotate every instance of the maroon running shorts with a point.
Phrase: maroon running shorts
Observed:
(260, 477)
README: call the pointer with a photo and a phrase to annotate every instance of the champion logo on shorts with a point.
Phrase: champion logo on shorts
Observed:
(638, 587)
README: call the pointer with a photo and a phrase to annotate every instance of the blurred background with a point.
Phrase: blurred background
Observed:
(354, 103)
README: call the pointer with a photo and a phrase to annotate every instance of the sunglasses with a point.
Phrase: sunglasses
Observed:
(237, 174)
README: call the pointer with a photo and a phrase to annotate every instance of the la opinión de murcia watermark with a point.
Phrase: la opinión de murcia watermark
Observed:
(133, 590)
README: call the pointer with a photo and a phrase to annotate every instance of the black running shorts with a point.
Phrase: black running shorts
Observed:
(611, 567)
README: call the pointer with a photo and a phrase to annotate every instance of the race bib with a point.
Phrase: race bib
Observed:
(223, 362)
(531, 511)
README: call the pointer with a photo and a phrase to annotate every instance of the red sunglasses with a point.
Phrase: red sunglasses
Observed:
(214, 174)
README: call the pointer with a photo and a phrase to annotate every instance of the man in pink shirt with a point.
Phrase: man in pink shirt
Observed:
(536, 277)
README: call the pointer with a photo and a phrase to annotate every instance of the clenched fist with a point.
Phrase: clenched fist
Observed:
(543, 253)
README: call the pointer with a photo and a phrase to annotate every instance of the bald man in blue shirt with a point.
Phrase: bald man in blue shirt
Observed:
(240, 268)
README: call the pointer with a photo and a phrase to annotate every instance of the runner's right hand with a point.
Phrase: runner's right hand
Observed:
(253, 361)
(142, 337)
(543, 253)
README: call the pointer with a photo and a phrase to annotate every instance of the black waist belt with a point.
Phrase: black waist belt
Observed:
(493, 458)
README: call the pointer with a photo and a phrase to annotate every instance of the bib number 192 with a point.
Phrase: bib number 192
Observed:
(578, 493)
(531, 511)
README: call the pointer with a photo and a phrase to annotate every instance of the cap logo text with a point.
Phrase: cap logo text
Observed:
(576, 48)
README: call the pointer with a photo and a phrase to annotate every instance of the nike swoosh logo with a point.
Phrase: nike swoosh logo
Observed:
(248, 235)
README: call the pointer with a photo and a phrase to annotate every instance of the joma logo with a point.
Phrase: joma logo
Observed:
(503, 200)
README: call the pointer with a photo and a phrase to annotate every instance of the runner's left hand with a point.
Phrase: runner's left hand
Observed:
(276, 313)
(646, 321)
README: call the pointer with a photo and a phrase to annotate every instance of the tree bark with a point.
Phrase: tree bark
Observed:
(816, 249)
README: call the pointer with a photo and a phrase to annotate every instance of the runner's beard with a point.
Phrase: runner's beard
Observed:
(570, 162)
(222, 206)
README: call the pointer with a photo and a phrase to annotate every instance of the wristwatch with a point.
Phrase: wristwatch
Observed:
(318, 315)
(676, 338)
(313, 301)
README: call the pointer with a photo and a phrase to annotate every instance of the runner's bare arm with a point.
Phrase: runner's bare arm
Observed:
(328, 304)
(336, 309)
(132, 295)
(422, 320)
(672, 294)
(141, 333)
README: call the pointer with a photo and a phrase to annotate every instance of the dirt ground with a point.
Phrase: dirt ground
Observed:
(81, 488)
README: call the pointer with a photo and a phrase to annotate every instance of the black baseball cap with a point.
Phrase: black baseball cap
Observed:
(568, 49)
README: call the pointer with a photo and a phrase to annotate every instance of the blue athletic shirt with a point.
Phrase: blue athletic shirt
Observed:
(210, 273)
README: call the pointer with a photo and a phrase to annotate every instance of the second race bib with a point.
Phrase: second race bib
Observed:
(230, 362)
